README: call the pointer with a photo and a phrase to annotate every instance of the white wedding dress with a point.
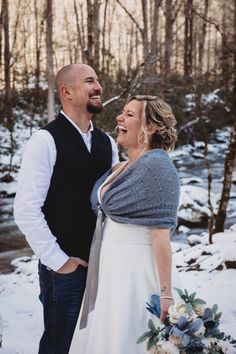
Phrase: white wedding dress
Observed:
(127, 278)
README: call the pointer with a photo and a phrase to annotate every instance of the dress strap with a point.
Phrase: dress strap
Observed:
(90, 293)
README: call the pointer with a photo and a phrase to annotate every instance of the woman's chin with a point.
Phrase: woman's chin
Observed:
(120, 141)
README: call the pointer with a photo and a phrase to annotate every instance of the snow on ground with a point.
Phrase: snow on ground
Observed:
(21, 311)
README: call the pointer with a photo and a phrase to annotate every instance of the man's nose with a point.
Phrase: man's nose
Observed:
(98, 86)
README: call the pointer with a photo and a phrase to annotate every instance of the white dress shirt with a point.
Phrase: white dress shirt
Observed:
(34, 180)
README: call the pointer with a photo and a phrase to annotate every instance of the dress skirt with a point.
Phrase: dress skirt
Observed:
(127, 278)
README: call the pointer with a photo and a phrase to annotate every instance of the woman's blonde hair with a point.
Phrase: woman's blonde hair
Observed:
(157, 114)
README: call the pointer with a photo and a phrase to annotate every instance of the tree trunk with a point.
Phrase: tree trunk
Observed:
(37, 49)
(228, 171)
(50, 73)
(7, 54)
(230, 154)
(90, 39)
(68, 34)
(1, 29)
(96, 31)
(80, 40)
(188, 40)
(145, 30)
(202, 39)
(104, 36)
(154, 39)
(168, 37)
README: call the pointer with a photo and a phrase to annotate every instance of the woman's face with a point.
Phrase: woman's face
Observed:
(129, 125)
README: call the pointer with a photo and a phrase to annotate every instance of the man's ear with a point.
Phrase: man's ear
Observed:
(65, 92)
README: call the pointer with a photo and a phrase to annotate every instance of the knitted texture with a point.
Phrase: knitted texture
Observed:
(145, 194)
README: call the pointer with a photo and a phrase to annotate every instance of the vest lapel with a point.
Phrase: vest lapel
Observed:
(72, 132)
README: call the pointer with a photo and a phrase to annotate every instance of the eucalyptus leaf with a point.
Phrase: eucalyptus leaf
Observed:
(189, 307)
(220, 335)
(151, 326)
(179, 291)
(145, 336)
(214, 309)
(209, 324)
(207, 314)
(150, 343)
(198, 302)
(186, 293)
(218, 316)
(192, 296)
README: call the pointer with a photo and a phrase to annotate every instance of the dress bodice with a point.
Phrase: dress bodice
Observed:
(94, 197)
(104, 179)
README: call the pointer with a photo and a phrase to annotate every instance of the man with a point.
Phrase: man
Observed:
(52, 206)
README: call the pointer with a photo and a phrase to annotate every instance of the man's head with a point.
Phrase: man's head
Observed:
(79, 89)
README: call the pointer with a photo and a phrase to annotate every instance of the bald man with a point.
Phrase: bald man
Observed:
(52, 208)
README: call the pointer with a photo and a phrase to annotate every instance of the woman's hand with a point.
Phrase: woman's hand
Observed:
(165, 304)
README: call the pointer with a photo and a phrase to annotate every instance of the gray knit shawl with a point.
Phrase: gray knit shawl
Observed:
(146, 194)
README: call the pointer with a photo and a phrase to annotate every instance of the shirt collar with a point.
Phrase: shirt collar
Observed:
(91, 128)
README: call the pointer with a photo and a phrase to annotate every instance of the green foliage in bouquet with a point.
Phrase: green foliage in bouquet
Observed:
(190, 328)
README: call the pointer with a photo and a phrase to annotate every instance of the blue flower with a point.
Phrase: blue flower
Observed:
(154, 307)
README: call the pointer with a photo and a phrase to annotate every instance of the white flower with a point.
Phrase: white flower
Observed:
(168, 348)
(201, 331)
(177, 340)
(199, 309)
(164, 347)
(206, 342)
(179, 309)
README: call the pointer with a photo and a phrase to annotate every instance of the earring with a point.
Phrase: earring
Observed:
(145, 137)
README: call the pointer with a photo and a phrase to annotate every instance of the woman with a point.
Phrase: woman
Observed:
(139, 199)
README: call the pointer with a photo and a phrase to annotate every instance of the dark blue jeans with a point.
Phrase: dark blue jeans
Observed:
(61, 296)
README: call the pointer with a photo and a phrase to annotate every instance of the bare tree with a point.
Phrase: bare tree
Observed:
(225, 50)
(1, 30)
(202, 38)
(80, 37)
(188, 39)
(38, 44)
(93, 33)
(154, 39)
(7, 54)
(230, 153)
(50, 73)
(103, 35)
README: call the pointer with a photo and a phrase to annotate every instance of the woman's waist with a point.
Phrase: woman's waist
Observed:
(119, 233)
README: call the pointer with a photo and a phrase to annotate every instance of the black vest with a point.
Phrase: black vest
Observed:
(67, 207)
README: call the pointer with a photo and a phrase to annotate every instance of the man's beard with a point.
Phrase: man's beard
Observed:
(94, 109)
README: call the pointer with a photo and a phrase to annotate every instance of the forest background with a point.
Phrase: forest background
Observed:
(181, 50)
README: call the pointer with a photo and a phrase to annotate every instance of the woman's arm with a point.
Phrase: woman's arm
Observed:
(163, 255)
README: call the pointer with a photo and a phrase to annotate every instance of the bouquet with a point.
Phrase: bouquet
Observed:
(190, 328)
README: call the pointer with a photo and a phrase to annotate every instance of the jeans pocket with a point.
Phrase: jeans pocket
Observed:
(64, 275)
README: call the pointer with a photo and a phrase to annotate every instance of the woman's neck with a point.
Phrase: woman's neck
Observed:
(134, 154)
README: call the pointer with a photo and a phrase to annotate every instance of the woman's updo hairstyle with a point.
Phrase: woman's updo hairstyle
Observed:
(157, 114)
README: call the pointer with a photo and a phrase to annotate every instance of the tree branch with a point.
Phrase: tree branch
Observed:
(217, 27)
(132, 83)
(132, 18)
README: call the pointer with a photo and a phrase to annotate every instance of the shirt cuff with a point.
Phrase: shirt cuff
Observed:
(56, 261)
